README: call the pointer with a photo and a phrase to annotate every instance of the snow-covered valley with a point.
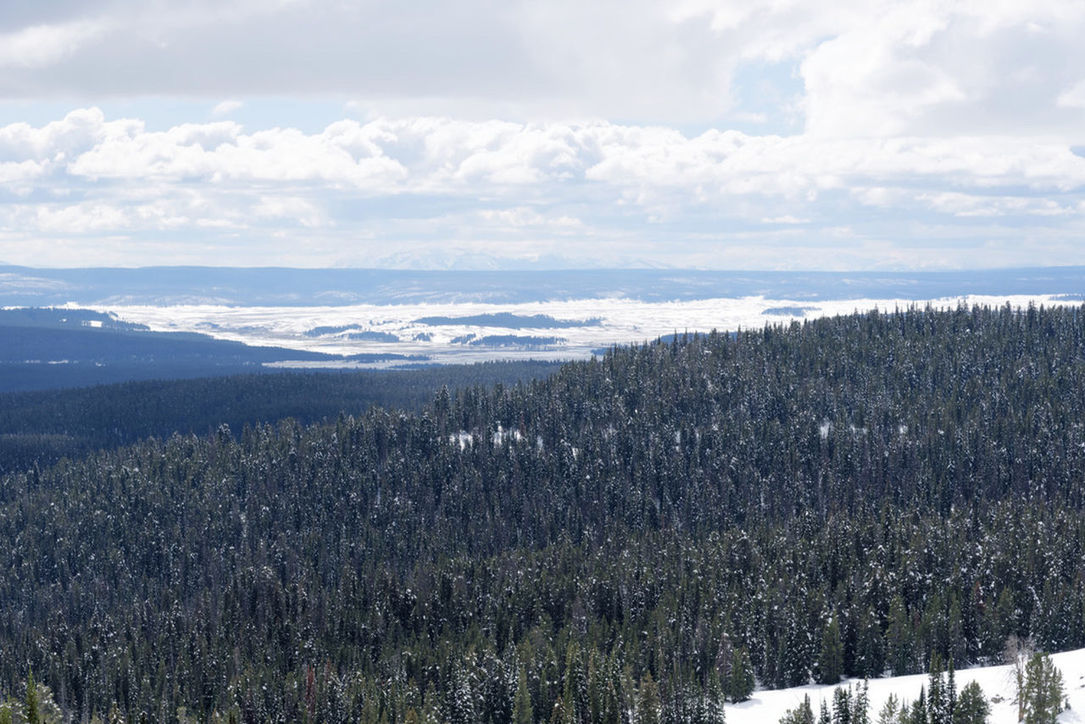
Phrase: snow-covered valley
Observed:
(454, 332)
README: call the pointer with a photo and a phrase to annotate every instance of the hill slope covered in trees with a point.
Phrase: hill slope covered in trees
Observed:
(41, 426)
(638, 533)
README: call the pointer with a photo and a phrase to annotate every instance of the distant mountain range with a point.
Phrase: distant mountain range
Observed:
(24, 286)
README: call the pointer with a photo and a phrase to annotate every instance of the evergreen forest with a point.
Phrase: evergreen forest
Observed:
(635, 538)
(42, 426)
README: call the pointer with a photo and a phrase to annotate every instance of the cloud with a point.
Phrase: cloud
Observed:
(225, 108)
(967, 68)
(859, 68)
(41, 46)
(359, 191)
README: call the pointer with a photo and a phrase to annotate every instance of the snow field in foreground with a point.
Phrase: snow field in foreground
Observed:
(767, 706)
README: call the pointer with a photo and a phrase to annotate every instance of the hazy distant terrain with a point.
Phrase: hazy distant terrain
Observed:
(52, 348)
(389, 335)
(243, 320)
(23, 286)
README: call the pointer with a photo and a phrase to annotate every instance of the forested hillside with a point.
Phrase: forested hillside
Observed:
(40, 427)
(633, 536)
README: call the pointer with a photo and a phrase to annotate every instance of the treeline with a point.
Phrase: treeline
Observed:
(38, 428)
(633, 537)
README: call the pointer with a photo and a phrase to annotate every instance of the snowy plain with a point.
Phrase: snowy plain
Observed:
(766, 707)
(585, 325)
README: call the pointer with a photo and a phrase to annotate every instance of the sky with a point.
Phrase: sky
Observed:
(524, 134)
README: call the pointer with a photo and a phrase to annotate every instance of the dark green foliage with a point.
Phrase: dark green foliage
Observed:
(667, 517)
(892, 712)
(522, 712)
(860, 710)
(802, 714)
(938, 696)
(41, 427)
(648, 706)
(31, 713)
(831, 657)
(842, 705)
(972, 706)
(741, 681)
(919, 710)
(1043, 695)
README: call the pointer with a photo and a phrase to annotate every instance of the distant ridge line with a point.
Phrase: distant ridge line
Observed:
(282, 286)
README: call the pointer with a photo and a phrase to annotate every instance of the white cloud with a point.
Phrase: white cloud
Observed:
(970, 68)
(40, 46)
(1073, 97)
(225, 108)
(363, 191)
(863, 68)
(785, 219)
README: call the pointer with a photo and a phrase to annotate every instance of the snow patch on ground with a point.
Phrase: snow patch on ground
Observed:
(766, 707)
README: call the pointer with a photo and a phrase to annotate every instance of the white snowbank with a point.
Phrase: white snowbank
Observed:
(766, 707)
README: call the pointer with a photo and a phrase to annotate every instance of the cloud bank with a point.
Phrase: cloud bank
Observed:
(439, 187)
(764, 134)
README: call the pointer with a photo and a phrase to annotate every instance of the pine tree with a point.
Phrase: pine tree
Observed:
(648, 704)
(919, 708)
(741, 682)
(30, 707)
(898, 638)
(890, 710)
(842, 705)
(430, 709)
(972, 706)
(522, 713)
(712, 702)
(951, 690)
(1043, 694)
(869, 647)
(831, 657)
(575, 687)
(824, 717)
(860, 710)
(937, 705)
(802, 714)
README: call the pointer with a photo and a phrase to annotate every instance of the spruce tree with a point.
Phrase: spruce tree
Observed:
(30, 707)
(741, 683)
(824, 717)
(648, 704)
(522, 713)
(937, 705)
(972, 706)
(890, 710)
(951, 690)
(898, 638)
(842, 705)
(802, 714)
(831, 657)
(919, 708)
(860, 710)
(1043, 694)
